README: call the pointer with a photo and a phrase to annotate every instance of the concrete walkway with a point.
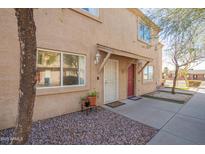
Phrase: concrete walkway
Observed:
(188, 125)
(177, 124)
(152, 112)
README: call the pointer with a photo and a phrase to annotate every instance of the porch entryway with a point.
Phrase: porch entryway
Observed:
(111, 81)
(115, 64)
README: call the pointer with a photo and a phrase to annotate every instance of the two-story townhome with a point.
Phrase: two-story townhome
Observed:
(113, 51)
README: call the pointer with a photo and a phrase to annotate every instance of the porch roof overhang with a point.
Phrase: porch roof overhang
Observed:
(113, 51)
(123, 53)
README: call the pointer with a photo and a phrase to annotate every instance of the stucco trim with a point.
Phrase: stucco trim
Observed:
(147, 20)
(61, 90)
(98, 19)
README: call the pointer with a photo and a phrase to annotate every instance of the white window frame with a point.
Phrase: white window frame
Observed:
(148, 80)
(138, 32)
(78, 69)
(91, 12)
(61, 68)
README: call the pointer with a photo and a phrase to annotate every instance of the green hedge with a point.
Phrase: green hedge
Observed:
(194, 83)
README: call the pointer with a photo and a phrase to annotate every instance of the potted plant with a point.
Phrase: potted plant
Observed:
(87, 103)
(92, 96)
(84, 103)
(83, 100)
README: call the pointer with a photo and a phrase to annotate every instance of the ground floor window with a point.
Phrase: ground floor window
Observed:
(148, 73)
(60, 69)
(73, 69)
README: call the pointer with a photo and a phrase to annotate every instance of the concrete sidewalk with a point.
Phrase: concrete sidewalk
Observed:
(152, 112)
(187, 126)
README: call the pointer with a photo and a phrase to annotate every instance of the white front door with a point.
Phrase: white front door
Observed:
(111, 81)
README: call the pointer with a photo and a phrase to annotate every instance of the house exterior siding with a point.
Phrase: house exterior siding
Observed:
(72, 31)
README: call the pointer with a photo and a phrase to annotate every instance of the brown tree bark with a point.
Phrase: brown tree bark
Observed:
(175, 79)
(186, 79)
(185, 71)
(27, 89)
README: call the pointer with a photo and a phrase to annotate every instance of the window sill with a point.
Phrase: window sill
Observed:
(59, 90)
(142, 41)
(87, 14)
(148, 82)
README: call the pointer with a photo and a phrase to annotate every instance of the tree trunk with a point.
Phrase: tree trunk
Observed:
(175, 79)
(186, 80)
(185, 73)
(27, 88)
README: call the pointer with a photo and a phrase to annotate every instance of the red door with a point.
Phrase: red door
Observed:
(130, 90)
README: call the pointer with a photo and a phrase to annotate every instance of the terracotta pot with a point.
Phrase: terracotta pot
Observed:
(92, 100)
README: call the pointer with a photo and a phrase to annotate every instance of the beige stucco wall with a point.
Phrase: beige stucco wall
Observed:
(9, 68)
(70, 31)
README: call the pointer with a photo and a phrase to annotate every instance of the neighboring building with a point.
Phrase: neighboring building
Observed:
(171, 74)
(113, 51)
(192, 75)
(196, 75)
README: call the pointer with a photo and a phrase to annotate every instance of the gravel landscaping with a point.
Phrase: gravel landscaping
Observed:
(101, 127)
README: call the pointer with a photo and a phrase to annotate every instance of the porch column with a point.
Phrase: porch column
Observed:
(143, 67)
(104, 62)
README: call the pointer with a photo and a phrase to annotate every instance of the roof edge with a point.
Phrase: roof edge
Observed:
(139, 13)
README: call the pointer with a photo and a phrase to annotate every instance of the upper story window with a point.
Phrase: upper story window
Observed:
(144, 33)
(60, 69)
(148, 73)
(93, 11)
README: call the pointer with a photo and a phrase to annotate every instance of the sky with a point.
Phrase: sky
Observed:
(201, 66)
(166, 61)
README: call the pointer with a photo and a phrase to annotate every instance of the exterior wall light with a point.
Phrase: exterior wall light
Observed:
(97, 58)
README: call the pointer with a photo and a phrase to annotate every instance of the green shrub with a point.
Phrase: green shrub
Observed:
(194, 83)
(83, 98)
(92, 93)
